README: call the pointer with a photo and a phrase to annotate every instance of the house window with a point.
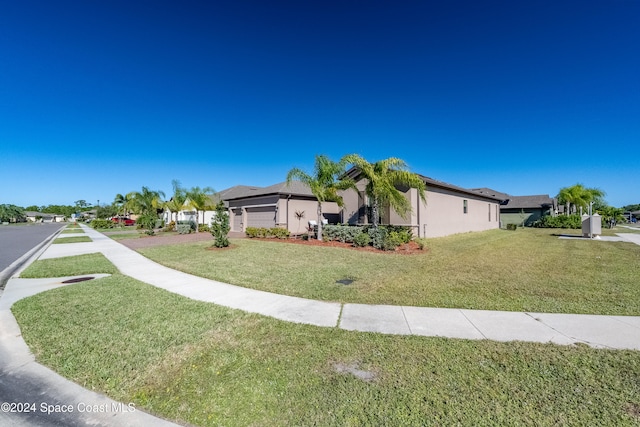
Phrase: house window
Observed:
(464, 206)
(489, 206)
(497, 215)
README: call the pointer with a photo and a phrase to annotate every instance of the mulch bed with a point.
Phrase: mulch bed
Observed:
(410, 248)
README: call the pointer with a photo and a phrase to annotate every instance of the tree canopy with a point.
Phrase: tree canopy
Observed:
(578, 196)
(324, 183)
(384, 177)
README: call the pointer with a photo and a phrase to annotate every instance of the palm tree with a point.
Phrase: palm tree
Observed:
(324, 183)
(199, 199)
(122, 203)
(383, 179)
(146, 203)
(579, 196)
(176, 203)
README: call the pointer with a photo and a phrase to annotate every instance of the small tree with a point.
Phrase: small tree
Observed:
(324, 183)
(299, 216)
(220, 226)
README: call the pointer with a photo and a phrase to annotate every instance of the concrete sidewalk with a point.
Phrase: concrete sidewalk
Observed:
(26, 380)
(615, 332)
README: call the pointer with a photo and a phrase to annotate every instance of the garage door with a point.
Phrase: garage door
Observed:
(261, 217)
(237, 220)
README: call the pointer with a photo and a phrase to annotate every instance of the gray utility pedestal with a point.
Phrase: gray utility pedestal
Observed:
(591, 226)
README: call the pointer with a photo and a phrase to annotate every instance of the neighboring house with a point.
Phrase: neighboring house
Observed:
(448, 210)
(275, 206)
(189, 214)
(522, 210)
(33, 216)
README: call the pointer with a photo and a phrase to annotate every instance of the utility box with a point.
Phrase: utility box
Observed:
(591, 226)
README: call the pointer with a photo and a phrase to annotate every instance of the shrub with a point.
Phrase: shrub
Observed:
(252, 232)
(512, 226)
(378, 235)
(190, 223)
(392, 240)
(422, 243)
(204, 228)
(261, 232)
(220, 226)
(171, 226)
(101, 223)
(361, 240)
(279, 233)
(341, 233)
(183, 228)
(560, 221)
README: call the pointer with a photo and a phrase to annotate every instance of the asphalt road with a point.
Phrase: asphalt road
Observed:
(17, 240)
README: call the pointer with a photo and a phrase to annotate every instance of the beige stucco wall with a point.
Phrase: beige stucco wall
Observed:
(441, 215)
(287, 215)
(444, 214)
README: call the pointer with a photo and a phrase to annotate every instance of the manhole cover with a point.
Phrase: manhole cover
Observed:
(345, 281)
(78, 279)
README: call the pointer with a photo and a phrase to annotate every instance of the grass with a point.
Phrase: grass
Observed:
(69, 266)
(122, 236)
(72, 231)
(207, 365)
(523, 270)
(73, 239)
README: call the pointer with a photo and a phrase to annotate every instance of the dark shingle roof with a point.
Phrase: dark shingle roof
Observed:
(295, 188)
(519, 202)
(523, 202)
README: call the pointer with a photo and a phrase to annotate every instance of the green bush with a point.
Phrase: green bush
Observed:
(560, 221)
(378, 236)
(422, 243)
(183, 228)
(220, 226)
(190, 223)
(361, 240)
(279, 233)
(262, 233)
(512, 226)
(341, 233)
(101, 223)
(393, 240)
(253, 232)
(204, 228)
(171, 226)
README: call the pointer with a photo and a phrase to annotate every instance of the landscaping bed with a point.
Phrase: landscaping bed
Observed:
(410, 248)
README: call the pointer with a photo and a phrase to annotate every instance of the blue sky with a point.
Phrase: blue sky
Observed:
(100, 98)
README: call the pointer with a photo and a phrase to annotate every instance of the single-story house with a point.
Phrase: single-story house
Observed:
(272, 206)
(33, 216)
(449, 209)
(275, 206)
(522, 210)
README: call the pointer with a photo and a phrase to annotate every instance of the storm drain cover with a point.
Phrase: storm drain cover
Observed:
(345, 281)
(78, 279)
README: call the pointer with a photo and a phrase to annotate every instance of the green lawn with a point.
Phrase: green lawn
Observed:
(69, 266)
(206, 365)
(73, 239)
(72, 231)
(523, 270)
